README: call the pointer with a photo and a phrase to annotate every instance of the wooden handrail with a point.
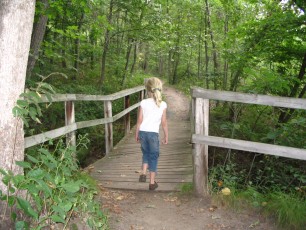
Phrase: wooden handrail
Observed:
(71, 125)
(201, 138)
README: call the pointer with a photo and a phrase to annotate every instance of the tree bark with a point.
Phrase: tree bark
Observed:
(77, 46)
(37, 37)
(214, 47)
(127, 60)
(106, 43)
(134, 58)
(287, 114)
(16, 22)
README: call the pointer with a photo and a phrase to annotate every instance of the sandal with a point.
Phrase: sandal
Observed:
(142, 178)
(153, 186)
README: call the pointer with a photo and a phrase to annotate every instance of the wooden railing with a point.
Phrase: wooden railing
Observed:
(201, 138)
(71, 125)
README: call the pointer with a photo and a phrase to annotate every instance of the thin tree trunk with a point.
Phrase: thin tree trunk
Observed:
(127, 60)
(225, 65)
(134, 58)
(206, 51)
(37, 37)
(287, 114)
(214, 47)
(77, 47)
(200, 47)
(106, 43)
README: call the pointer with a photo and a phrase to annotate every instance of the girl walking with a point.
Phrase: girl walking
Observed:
(152, 113)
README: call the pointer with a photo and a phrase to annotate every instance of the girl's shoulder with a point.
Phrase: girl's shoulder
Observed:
(163, 104)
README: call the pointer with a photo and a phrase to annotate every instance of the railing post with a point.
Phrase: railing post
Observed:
(200, 152)
(108, 127)
(70, 119)
(141, 95)
(127, 118)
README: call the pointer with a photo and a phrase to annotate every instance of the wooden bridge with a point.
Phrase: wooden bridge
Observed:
(179, 163)
(122, 167)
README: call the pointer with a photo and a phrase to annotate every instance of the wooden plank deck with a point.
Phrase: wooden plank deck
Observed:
(121, 169)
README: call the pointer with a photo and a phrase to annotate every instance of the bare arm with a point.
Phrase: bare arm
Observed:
(165, 127)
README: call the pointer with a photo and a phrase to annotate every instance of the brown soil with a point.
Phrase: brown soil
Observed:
(139, 210)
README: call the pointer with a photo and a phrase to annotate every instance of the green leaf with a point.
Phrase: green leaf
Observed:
(44, 187)
(17, 112)
(3, 172)
(11, 200)
(22, 103)
(21, 225)
(27, 208)
(66, 206)
(18, 179)
(72, 187)
(57, 219)
(33, 159)
(23, 164)
(36, 173)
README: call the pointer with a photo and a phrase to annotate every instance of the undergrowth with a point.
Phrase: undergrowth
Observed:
(52, 192)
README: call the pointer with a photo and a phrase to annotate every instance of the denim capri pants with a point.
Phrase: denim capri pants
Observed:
(150, 149)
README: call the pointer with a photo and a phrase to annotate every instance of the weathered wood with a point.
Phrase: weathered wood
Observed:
(71, 126)
(200, 153)
(70, 119)
(82, 97)
(201, 137)
(127, 118)
(250, 146)
(287, 102)
(41, 138)
(121, 168)
(108, 127)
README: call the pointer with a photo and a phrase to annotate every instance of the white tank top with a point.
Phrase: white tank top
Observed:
(152, 115)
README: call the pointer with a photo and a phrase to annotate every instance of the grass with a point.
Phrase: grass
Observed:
(289, 210)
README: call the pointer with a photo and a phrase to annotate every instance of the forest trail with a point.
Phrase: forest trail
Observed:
(154, 210)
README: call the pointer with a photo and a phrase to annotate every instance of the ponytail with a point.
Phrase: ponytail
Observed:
(154, 86)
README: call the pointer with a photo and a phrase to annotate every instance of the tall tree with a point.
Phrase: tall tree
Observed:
(38, 35)
(106, 42)
(16, 22)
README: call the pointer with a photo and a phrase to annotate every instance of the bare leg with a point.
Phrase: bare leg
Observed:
(144, 168)
(152, 177)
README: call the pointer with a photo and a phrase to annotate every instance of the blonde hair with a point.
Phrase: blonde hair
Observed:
(154, 87)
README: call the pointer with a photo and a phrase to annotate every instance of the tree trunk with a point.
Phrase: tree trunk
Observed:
(16, 22)
(206, 51)
(77, 46)
(286, 114)
(106, 43)
(225, 65)
(37, 37)
(214, 47)
(200, 48)
(127, 60)
(134, 58)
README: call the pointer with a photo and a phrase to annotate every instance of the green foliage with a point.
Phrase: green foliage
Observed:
(28, 106)
(288, 209)
(52, 190)
(186, 188)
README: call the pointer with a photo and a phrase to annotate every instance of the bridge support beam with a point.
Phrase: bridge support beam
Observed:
(108, 127)
(200, 151)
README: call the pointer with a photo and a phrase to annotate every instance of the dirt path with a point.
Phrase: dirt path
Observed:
(136, 210)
